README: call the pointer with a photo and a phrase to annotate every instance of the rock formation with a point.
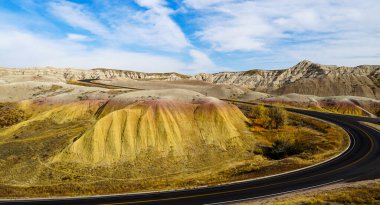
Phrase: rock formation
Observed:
(98, 73)
(306, 78)
(162, 123)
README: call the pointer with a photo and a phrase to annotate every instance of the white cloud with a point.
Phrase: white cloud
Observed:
(77, 16)
(350, 50)
(260, 25)
(23, 49)
(121, 24)
(152, 27)
(202, 4)
(300, 21)
(151, 3)
(326, 31)
(77, 37)
(236, 34)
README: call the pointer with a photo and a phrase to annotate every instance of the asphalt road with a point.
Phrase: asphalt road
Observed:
(360, 162)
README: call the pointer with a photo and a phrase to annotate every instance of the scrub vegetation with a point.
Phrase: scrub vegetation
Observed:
(10, 114)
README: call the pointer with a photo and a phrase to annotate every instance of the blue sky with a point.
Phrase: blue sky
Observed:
(188, 36)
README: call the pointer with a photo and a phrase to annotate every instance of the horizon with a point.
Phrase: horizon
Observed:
(192, 74)
(189, 36)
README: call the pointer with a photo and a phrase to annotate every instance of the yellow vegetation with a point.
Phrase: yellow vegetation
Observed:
(161, 126)
(273, 117)
(59, 114)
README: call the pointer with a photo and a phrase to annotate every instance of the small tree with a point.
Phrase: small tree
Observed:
(278, 116)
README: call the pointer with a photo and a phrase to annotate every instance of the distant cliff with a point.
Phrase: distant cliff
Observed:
(305, 78)
(98, 73)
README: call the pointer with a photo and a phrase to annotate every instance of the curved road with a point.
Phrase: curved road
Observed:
(360, 162)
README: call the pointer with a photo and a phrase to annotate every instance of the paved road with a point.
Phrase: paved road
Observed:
(360, 162)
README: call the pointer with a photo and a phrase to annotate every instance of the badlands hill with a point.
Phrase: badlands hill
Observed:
(175, 122)
(306, 78)
(67, 74)
(122, 125)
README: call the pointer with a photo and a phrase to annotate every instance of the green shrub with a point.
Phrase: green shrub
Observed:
(282, 148)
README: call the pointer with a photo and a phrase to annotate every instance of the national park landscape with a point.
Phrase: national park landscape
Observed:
(107, 115)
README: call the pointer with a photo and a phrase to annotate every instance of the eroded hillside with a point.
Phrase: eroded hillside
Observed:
(306, 78)
(157, 124)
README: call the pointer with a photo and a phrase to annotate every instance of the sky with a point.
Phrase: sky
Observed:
(188, 36)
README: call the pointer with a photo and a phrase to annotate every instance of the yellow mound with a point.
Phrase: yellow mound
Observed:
(59, 114)
(160, 126)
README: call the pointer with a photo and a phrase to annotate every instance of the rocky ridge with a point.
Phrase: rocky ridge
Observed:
(97, 73)
(305, 78)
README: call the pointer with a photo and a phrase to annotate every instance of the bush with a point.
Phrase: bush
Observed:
(10, 114)
(274, 117)
(282, 148)
(278, 117)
